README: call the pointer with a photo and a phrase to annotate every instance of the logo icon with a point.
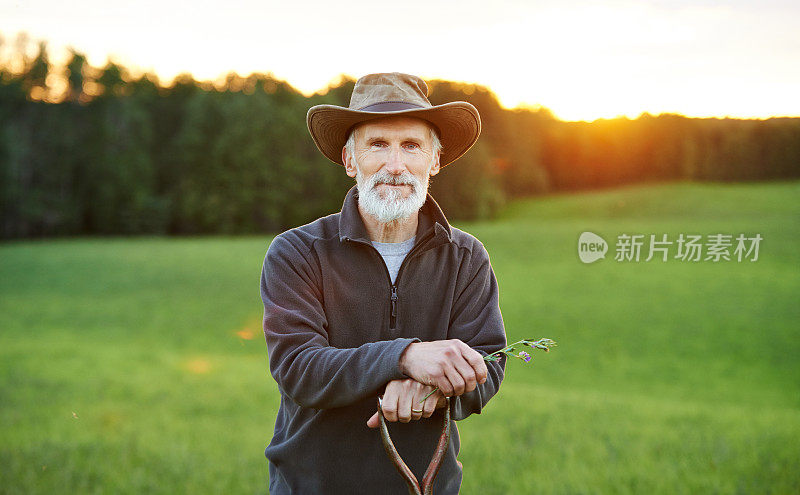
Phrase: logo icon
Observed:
(591, 247)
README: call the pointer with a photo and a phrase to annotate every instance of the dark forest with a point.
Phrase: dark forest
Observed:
(97, 151)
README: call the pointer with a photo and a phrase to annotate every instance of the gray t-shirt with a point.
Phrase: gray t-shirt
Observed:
(393, 254)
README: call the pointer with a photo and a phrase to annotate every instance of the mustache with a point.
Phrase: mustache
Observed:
(395, 180)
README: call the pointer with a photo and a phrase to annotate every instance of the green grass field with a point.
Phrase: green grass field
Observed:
(138, 366)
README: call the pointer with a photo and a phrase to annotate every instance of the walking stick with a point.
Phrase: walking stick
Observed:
(433, 468)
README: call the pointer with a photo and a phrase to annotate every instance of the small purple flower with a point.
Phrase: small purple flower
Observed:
(525, 356)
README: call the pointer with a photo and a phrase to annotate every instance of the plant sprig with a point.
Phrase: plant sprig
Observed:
(511, 351)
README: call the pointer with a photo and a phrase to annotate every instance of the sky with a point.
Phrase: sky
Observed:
(581, 59)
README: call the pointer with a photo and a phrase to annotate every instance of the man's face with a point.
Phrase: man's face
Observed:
(393, 159)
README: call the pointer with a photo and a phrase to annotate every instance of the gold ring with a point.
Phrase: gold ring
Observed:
(416, 410)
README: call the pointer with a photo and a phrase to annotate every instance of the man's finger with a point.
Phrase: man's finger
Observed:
(404, 404)
(456, 380)
(444, 384)
(467, 374)
(417, 405)
(475, 360)
(389, 406)
(430, 404)
(374, 421)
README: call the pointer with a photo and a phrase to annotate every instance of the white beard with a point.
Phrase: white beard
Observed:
(390, 206)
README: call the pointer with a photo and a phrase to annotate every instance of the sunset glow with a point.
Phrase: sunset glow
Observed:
(582, 60)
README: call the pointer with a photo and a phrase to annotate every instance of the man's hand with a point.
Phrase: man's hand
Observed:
(451, 365)
(401, 402)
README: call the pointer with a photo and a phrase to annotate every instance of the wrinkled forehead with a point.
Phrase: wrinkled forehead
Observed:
(397, 127)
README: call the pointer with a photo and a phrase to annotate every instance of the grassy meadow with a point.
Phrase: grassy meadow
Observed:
(137, 365)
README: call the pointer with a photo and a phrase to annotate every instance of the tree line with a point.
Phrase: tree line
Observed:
(97, 150)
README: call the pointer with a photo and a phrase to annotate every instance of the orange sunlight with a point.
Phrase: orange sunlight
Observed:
(581, 60)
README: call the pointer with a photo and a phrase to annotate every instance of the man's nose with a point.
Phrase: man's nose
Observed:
(394, 163)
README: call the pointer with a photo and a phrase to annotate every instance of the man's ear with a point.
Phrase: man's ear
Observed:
(349, 166)
(435, 167)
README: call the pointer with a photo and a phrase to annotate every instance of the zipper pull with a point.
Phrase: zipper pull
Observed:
(394, 301)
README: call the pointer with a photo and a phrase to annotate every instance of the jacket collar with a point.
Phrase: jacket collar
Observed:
(431, 221)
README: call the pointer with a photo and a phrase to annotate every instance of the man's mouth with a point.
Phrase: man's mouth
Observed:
(392, 184)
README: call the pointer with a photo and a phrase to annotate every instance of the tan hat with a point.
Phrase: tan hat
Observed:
(376, 96)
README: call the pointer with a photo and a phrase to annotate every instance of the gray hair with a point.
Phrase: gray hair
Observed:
(350, 145)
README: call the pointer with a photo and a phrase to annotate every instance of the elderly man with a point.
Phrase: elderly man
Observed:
(384, 298)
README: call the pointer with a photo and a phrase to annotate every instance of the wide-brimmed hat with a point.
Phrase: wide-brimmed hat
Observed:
(376, 96)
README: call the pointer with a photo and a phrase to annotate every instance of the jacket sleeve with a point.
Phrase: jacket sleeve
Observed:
(477, 321)
(306, 367)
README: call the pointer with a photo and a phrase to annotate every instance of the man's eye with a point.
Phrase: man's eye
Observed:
(379, 144)
(412, 146)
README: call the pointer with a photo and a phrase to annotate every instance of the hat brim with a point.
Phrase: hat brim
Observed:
(457, 123)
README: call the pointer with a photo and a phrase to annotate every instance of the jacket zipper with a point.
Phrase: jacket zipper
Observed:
(393, 300)
(393, 295)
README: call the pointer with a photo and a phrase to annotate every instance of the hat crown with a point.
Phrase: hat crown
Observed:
(392, 87)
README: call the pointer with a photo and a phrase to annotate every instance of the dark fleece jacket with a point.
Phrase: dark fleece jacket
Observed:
(335, 328)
